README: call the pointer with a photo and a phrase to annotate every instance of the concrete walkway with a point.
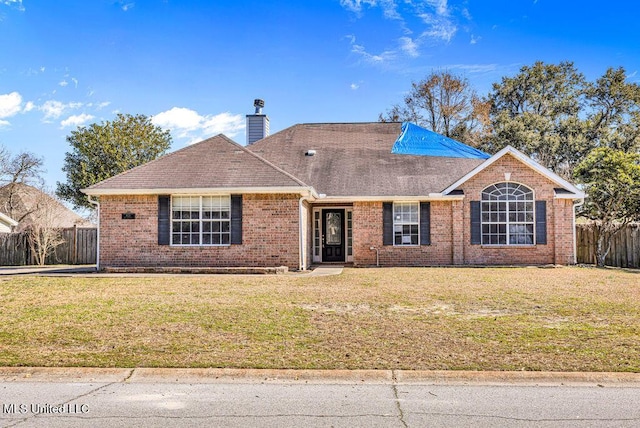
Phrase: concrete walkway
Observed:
(35, 270)
(90, 271)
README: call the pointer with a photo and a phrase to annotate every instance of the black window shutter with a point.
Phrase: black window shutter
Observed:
(164, 229)
(236, 219)
(476, 229)
(425, 223)
(387, 223)
(541, 222)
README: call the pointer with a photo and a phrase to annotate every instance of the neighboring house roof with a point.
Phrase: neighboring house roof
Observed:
(566, 191)
(355, 160)
(215, 163)
(26, 200)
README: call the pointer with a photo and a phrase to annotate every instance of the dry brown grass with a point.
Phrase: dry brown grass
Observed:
(417, 318)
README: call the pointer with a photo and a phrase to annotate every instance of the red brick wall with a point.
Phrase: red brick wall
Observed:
(559, 247)
(367, 233)
(271, 232)
(451, 227)
(269, 226)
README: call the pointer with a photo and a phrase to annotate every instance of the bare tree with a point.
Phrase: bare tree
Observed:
(446, 104)
(42, 232)
(23, 168)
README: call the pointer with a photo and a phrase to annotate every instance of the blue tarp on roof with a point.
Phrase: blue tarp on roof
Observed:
(414, 140)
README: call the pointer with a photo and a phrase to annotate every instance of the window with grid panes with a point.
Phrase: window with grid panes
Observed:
(507, 215)
(201, 220)
(406, 223)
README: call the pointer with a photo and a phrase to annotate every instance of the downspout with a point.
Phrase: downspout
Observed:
(301, 249)
(97, 205)
(575, 245)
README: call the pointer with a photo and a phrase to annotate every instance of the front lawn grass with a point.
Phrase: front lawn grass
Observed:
(564, 319)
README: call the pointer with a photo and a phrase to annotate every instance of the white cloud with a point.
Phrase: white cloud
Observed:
(75, 82)
(409, 47)
(53, 109)
(378, 59)
(439, 27)
(63, 83)
(436, 23)
(28, 106)
(178, 117)
(99, 106)
(10, 104)
(187, 123)
(441, 7)
(4, 123)
(356, 5)
(127, 6)
(76, 120)
(473, 68)
(390, 9)
(15, 3)
(354, 86)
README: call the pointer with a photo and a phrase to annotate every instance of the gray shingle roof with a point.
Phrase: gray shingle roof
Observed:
(217, 162)
(355, 159)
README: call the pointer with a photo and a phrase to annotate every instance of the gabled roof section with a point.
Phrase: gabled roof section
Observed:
(216, 163)
(570, 191)
(415, 140)
(354, 160)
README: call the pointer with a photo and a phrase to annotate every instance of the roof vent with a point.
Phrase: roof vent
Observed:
(258, 104)
(257, 123)
(310, 152)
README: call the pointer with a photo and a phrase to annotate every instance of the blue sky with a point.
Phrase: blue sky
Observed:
(196, 66)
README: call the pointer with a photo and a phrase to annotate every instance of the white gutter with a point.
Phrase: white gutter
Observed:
(97, 205)
(393, 198)
(202, 191)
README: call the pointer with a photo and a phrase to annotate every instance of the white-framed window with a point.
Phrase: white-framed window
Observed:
(406, 223)
(201, 220)
(317, 241)
(349, 233)
(507, 215)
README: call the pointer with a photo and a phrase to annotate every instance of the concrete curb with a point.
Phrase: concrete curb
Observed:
(290, 376)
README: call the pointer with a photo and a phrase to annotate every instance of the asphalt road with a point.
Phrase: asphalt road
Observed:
(165, 400)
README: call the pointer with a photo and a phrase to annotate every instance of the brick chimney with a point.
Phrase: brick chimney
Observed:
(257, 123)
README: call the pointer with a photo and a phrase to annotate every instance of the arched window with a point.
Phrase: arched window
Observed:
(507, 215)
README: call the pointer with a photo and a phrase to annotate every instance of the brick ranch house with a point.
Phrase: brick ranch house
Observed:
(335, 193)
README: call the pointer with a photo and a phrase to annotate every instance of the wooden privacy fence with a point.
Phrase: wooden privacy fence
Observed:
(79, 248)
(625, 246)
